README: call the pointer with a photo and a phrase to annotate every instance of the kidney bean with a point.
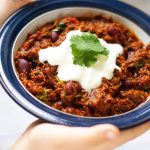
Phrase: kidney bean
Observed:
(54, 36)
(23, 66)
(72, 87)
(127, 84)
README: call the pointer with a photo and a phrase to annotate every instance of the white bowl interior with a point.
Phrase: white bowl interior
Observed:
(72, 11)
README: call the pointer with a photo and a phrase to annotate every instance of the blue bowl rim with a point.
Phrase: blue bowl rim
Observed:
(125, 120)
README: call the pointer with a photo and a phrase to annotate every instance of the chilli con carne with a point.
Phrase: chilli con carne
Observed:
(125, 91)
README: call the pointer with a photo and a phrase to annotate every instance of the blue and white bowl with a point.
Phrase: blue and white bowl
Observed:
(28, 18)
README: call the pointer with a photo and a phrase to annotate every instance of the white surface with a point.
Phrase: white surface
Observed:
(14, 120)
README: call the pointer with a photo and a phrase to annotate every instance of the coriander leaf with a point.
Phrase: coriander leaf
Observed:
(105, 51)
(60, 27)
(86, 48)
(83, 57)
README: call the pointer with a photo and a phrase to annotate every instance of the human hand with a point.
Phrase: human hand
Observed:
(47, 136)
(7, 7)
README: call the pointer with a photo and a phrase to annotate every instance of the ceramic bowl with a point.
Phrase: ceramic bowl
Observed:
(27, 19)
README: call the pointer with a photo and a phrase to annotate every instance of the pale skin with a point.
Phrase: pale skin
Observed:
(46, 136)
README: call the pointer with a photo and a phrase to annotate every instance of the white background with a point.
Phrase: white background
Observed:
(14, 120)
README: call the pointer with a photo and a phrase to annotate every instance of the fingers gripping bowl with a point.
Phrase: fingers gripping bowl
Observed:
(42, 15)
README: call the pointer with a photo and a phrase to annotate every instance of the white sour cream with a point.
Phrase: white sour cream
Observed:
(89, 78)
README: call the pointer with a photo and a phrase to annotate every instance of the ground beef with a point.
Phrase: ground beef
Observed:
(125, 91)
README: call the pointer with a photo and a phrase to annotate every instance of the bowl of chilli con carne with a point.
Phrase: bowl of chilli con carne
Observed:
(78, 63)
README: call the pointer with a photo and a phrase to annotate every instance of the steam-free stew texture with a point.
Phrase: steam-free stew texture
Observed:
(128, 88)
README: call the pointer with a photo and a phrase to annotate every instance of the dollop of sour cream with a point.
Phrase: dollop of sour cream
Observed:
(88, 77)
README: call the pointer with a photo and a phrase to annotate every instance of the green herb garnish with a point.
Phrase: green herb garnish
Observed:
(60, 27)
(86, 48)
